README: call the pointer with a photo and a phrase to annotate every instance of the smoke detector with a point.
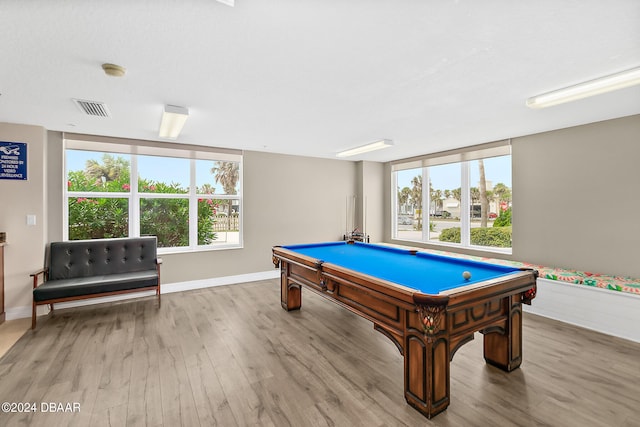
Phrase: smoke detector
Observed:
(113, 70)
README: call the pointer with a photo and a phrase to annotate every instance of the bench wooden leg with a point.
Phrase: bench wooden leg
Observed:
(33, 316)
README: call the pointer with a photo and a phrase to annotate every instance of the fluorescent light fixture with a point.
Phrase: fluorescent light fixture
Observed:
(586, 89)
(227, 2)
(173, 119)
(383, 143)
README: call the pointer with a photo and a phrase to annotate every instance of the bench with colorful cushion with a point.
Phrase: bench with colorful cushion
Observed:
(614, 283)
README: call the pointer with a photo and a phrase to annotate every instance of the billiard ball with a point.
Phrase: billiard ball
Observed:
(466, 275)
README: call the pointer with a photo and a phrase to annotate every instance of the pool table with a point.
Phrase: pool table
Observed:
(422, 302)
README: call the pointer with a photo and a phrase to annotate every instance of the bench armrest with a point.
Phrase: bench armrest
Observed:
(45, 275)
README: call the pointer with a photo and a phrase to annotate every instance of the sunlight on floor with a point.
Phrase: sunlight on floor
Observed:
(11, 331)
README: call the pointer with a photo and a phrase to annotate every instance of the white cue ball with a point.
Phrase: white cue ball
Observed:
(466, 275)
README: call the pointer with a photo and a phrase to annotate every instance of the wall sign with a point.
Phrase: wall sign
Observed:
(13, 160)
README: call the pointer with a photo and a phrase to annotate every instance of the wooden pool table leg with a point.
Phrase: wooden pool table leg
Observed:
(426, 368)
(503, 346)
(290, 293)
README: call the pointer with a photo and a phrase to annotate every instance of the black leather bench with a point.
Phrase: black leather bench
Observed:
(81, 269)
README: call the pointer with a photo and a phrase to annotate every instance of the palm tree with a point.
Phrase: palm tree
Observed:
(416, 196)
(436, 199)
(111, 169)
(474, 195)
(502, 192)
(207, 189)
(227, 174)
(484, 200)
(403, 197)
(457, 194)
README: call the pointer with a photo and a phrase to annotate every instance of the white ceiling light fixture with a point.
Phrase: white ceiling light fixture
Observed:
(173, 119)
(583, 90)
(378, 145)
(227, 2)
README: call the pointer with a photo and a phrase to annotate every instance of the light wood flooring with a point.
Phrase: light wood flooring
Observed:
(11, 331)
(230, 356)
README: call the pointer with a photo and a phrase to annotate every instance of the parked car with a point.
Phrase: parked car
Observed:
(403, 220)
(442, 214)
(493, 215)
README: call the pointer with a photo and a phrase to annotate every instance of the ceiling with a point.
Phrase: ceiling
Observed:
(313, 77)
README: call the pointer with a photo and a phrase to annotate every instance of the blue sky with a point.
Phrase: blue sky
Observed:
(163, 169)
(443, 177)
(447, 177)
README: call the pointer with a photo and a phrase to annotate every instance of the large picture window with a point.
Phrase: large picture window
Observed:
(455, 199)
(190, 200)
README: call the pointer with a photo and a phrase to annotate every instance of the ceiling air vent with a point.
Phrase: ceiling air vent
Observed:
(93, 108)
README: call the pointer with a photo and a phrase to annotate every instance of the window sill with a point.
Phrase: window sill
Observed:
(188, 250)
(447, 246)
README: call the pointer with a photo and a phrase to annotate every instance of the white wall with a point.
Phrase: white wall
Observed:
(287, 200)
(370, 200)
(55, 181)
(24, 250)
(576, 201)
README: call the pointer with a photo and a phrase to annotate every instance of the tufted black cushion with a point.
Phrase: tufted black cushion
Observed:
(98, 257)
(82, 269)
(67, 288)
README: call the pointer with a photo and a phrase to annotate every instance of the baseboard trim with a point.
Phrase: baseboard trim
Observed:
(22, 312)
(219, 281)
(18, 313)
(602, 310)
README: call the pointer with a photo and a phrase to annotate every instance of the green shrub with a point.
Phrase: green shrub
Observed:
(499, 237)
(504, 219)
(450, 235)
(97, 218)
(166, 218)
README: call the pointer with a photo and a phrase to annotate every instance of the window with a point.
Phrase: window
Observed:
(466, 202)
(444, 199)
(190, 200)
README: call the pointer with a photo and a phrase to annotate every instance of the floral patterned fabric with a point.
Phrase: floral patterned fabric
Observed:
(613, 283)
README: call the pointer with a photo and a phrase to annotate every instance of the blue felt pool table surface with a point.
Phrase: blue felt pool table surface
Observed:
(424, 272)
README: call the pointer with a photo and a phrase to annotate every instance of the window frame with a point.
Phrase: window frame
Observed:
(463, 157)
(133, 149)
